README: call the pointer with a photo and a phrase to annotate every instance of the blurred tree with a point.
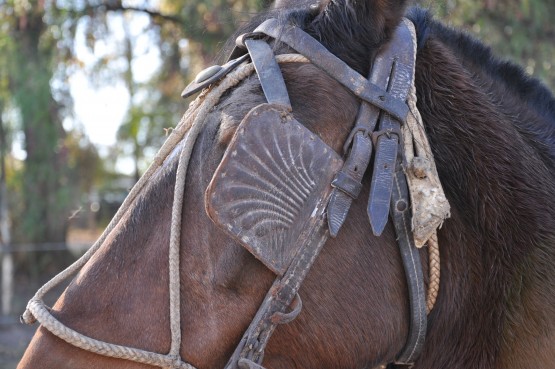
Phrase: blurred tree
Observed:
(6, 48)
(41, 191)
(187, 35)
(522, 30)
(37, 44)
(45, 175)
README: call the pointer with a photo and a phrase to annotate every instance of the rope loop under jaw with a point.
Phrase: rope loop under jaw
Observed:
(188, 128)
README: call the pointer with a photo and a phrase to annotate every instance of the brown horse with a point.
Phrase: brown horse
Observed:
(492, 132)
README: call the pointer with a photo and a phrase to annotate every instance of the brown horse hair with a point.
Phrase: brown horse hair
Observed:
(493, 147)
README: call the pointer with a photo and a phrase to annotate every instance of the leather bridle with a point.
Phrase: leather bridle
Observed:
(320, 196)
(382, 112)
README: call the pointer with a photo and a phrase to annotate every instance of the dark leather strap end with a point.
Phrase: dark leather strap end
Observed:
(382, 183)
(338, 208)
(268, 71)
(346, 189)
(347, 183)
(401, 215)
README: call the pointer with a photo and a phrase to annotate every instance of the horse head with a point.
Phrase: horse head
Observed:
(494, 150)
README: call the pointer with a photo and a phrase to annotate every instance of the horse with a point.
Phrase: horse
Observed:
(491, 129)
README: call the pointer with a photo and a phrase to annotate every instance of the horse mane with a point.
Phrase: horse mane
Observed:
(492, 130)
(509, 76)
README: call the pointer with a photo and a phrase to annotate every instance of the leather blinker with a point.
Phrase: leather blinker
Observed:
(271, 183)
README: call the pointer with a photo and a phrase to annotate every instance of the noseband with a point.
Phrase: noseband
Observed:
(282, 192)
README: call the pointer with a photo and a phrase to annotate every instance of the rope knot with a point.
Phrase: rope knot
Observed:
(27, 317)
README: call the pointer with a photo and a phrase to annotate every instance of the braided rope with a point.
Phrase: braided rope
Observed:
(40, 311)
(415, 142)
(190, 125)
(175, 236)
(415, 134)
(433, 286)
(174, 138)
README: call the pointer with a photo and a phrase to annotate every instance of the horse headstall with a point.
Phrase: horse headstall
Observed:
(281, 191)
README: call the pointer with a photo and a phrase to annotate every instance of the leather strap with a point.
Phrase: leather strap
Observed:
(250, 351)
(361, 150)
(398, 57)
(354, 168)
(392, 70)
(401, 215)
(268, 72)
(303, 43)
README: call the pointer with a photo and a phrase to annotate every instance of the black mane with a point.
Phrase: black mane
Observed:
(525, 100)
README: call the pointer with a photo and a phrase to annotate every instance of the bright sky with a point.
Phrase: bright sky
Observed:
(100, 107)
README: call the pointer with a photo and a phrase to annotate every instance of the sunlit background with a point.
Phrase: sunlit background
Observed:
(88, 89)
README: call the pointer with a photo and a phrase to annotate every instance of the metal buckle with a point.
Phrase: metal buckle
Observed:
(354, 131)
(388, 132)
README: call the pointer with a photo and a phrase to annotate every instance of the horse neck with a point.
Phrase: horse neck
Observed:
(496, 298)
(122, 292)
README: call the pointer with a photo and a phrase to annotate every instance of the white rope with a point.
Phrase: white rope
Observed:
(197, 112)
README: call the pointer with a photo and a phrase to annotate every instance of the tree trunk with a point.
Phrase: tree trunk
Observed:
(44, 178)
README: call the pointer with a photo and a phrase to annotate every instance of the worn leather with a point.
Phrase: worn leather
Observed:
(398, 56)
(268, 72)
(303, 43)
(270, 183)
(345, 191)
(279, 298)
(383, 95)
(347, 183)
(401, 215)
(382, 182)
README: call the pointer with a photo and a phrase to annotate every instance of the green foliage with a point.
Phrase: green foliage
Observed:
(33, 41)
